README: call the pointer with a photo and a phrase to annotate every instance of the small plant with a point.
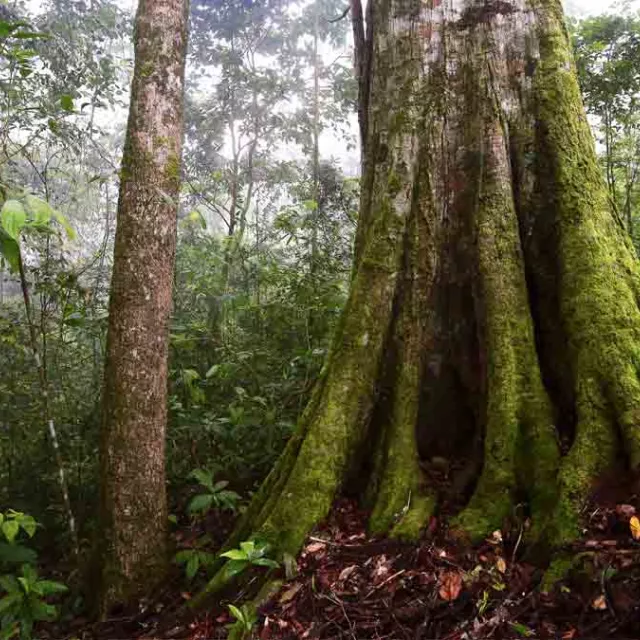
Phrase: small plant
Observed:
(245, 618)
(195, 558)
(24, 602)
(22, 595)
(217, 494)
(249, 553)
(11, 552)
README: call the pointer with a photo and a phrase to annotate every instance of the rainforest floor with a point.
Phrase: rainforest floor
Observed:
(349, 585)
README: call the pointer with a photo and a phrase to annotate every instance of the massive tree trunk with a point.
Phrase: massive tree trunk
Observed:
(493, 311)
(133, 555)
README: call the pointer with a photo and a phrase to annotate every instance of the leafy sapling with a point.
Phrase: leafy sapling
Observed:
(245, 619)
(250, 552)
(217, 494)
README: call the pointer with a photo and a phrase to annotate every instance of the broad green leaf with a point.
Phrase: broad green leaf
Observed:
(266, 562)
(28, 524)
(49, 587)
(10, 530)
(40, 210)
(212, 371)
(235, 554)
(204, 477)
(13, 218)
(199, 503)
(40, 610)
(234, 567)
(192, 565)
(10, 251)
(64, 223)
(249, 547)
(9, 601)
(221, 484)
(235, 612)
(16, 554)
(10, 584)
(183, 556)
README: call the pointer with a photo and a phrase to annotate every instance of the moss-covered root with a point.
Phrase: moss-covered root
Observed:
(401, 506)
(598, 281)
(517, 410)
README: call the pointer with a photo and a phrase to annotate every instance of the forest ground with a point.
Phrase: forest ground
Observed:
(350, 585)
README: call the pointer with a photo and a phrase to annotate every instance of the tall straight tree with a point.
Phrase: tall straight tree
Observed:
(494, 306)
(133, 500)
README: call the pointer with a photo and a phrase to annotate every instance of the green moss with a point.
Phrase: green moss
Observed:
(598, 280)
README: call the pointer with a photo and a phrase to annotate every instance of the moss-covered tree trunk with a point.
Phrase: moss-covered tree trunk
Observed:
(133, 519)
(493, 312)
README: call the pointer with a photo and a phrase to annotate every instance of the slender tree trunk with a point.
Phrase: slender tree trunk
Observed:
(494, 305)
(133, 528)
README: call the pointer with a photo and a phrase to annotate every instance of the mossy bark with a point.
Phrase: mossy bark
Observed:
(132, 553)
(494, 305)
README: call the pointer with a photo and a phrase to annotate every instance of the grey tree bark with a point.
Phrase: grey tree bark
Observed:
(133, 553)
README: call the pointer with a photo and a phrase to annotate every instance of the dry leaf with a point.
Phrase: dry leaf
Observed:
(314, 547)
(346, 572)
(496, 537)
(634, 525)
(599, 603)
(450, 585)
(569, 635)
(290, 593)
(625, 511)
(501, 565)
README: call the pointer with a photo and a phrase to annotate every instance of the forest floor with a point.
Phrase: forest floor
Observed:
(351, 586)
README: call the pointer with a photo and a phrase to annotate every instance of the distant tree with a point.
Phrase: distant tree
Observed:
(607, 50)
(133, 517)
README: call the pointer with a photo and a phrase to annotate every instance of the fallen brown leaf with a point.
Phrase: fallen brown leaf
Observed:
(501, 565)
(314, 547)
(625, 511)
(450, 585)
(346, 572)
(599, 603)
(634, 526)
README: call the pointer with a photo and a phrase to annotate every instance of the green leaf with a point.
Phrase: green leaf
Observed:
(236, 613)
(12, 218)
(9, 601)
(235, 554)
(10, 251)
(212, 371)
(249, 547)
(10, 530)
(234, 567)
(204, 477)
(64, 223)
(200, 503)
(521, 629)
(49, 587)
(192, 565)
(221, 484)
(40, 610)
(265, 562)
(10, 584)
(66, 102)
(16, 554)
(40, 210)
